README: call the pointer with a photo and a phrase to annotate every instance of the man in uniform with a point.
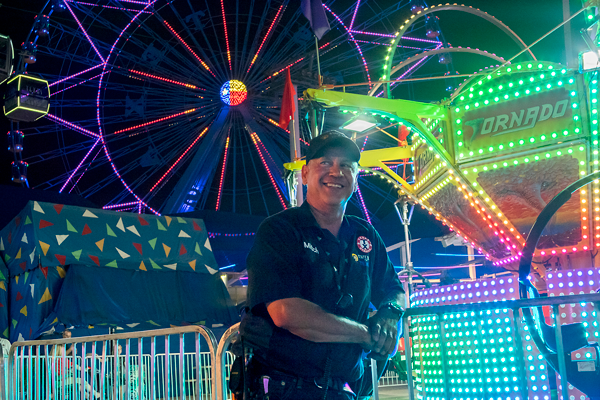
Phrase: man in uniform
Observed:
(312, 273)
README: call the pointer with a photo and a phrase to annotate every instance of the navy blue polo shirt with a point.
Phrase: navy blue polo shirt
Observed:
(293, 257)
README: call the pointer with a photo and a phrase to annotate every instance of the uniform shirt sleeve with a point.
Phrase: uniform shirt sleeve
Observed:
(386, 285)
(273, 263)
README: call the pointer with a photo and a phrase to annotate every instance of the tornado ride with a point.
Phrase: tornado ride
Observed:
(487, 162)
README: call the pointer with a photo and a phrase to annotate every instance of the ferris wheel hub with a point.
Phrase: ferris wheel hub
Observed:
(233, 92)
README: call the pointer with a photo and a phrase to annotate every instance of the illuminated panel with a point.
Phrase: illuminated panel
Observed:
(187, 85)
(521, 107)
(571, 282)
(226, 36)
(188, 47)
(222, 175)
(179, 159)
(84, 32)
(233, 93)
(265, 38)
(595, 189)
(485, 357)
(155, 121)
(256, 140)
(518, 188)
(70, 125)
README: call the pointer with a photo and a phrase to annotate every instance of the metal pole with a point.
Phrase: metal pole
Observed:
(408, 358)
(471, 257)
(567, 33)
(560, 350)
(295, 149)
(374, 376)
(318, 62)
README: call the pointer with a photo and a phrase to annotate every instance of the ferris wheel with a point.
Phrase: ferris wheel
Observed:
(169, 106)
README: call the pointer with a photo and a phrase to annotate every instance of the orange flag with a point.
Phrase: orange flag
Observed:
(287, 103)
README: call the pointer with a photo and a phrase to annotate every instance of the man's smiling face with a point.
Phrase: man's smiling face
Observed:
(330, 179)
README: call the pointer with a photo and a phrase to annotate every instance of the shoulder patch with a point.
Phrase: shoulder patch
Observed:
(364, 244)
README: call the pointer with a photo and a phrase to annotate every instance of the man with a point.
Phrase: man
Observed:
(312, 273)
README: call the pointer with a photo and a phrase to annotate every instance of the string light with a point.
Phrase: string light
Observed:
(222, 175)
(188, 48)
(155, 121)
(165, 79)
(84, 32)
(76, 75)
(70, 125)
(255, 140)
(226, 36)
(264, 39)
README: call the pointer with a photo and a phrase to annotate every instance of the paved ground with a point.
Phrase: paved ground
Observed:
(393, 393)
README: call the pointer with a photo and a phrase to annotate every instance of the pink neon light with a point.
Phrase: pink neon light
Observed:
(74, 75)
(83, 173)
(77, 84)
(364, 143)
(354, 15)
(133, 203)
(145, 3)
(84, 32)
(68, 124)
(264, 40)
(189, 48)
(288, 66)
(155, 121)
(226, 36)
(355, 43)
(112, 164)
(415, 65)
(79, 166)
(255, 140)
(165, 79)
(180, 157)
(114, 8)
(362, 203)
(222, 175)
(393, 36)
(387, 44)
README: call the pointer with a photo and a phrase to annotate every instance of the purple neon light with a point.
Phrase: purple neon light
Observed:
(79, 166)
(393, 36)
(83, 173)
(84, 32)
(354, 15)
(77, 84)
(355, 43)
(415, 65)
(112, 7)
(114, 168)
(70, 125)
(364, 143)
(363, 206)
(387, 44)
(74, 75)
(144, 3)
(133, 203)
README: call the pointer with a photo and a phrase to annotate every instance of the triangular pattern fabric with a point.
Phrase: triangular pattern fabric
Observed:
(183, 234)
(143, 266)
(109, 231)
(45, 247)
(168, 219)
(193, 264)
(120, 225)
(89, 214)
(152, 243)
(167, 249)
(24, 238)
(61, 272)
(45, 297)
(100, 244)
(70, 227)
(122, 253)
(36, 207)
(133, 229)
(58, 208)
(207, 245)
(61, 238)
(161, 227)
(171, 266)
(86, 230)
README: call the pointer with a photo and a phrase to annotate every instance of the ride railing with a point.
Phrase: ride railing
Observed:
(438, 364)
(126, 366)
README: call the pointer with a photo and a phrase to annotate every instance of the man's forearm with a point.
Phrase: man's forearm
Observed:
(309, 321)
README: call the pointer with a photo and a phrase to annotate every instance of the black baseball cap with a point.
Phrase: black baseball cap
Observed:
(329, 140)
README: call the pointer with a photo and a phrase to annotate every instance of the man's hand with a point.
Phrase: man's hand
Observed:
(384, 334)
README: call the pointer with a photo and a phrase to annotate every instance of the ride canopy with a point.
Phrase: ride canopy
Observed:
(83, 267)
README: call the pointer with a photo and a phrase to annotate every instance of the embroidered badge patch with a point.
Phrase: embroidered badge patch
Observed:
(364, 244)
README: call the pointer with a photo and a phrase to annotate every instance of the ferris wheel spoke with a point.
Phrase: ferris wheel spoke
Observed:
(174, 82)
(84, 32)
(267, 34)
(71, 126)
(130, 10)
(219, 53)
(74, 172)
(190, 50)
(226, 35)
(156, 121)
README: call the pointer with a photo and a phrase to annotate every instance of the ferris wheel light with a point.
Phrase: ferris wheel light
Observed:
(233, 93)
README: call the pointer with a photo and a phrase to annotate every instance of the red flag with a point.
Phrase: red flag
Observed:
(287, 103)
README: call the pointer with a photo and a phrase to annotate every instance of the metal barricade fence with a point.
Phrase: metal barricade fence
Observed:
(39, 370)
